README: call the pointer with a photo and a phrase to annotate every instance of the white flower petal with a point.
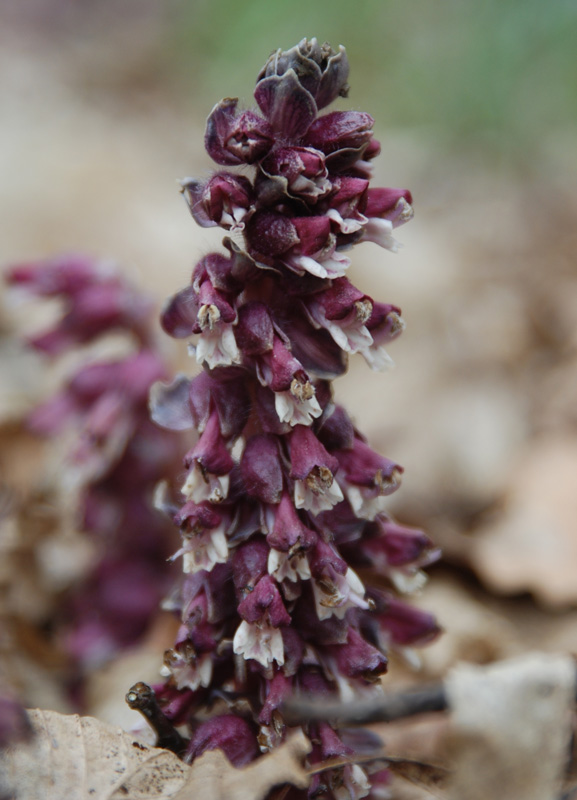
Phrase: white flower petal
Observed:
(380, 231)
(355, 784)
(294, 411)
(200, 486)
(346, 591)
(315, 502)
(347, 224)
(407, 581)
(202, 551)
(282, 566)
(193, 674)
(218, 347)
(377, 358)
(259, 641)
(364, 506)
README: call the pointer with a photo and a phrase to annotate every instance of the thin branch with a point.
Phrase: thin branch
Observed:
(390, 707)
(141, 698)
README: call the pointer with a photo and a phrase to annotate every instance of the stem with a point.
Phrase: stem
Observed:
(298, 710)
(141, 698)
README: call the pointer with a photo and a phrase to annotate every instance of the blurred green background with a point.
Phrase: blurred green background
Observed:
(497, 74)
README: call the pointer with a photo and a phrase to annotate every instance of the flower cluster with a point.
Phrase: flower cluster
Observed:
(118, 456)
(284, 502)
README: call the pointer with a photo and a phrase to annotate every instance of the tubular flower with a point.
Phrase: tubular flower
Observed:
(283, 499)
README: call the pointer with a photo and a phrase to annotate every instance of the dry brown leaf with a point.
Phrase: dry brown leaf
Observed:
(81, 758)
(533, 546)
(213, 777)
(427, 776)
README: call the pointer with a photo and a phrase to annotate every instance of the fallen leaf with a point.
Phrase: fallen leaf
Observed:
(213, 777)
(532, 546)
(511, 727)
(427, 776)
(82, 758)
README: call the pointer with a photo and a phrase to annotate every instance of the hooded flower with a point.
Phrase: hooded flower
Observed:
(283, 500)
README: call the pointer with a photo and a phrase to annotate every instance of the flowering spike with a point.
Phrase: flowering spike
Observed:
(284, 498)
(118, 456)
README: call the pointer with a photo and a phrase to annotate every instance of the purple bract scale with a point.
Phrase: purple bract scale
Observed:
(271, 602)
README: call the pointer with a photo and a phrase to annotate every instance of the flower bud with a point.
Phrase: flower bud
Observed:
(367, 477)
(340, 130)
(403, 624)
(225, 200)
(249, 565)
(319, 69)
(394, 205)
(357, 658)
(288, 532)
(254, 330)
(233, 138)
(294, 172)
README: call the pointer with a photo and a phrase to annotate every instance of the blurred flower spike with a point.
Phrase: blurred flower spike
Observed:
(291, 562)
(117, 454)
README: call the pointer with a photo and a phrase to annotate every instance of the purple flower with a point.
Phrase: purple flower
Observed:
(294, 172)
(224, 200)
(303, 244)
(313, 470)
(283, 498)
(204, 537)
(117, 455)
(367, 478)
(96, 302)
(236, 138)
(340, 131)
(229, 733)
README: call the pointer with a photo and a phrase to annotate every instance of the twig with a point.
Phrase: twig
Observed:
(141, 698)
(299, 709)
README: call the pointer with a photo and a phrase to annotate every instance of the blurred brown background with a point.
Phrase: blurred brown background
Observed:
(103, 106)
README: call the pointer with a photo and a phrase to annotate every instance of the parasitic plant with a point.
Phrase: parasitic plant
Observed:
(118, 455)
(283, 502)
